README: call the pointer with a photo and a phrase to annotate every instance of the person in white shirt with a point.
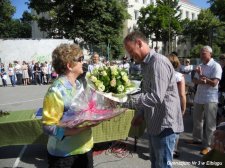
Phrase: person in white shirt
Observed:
(11, 74)
(207, 76)
(95, 62)
(186, 70)
(125, 65)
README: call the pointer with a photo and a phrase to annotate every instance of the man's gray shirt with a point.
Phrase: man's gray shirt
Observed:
(159, 100)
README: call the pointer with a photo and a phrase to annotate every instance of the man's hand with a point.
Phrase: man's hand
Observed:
(203, 80)
(199, 70)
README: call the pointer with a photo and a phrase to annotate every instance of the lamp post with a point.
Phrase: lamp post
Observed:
(108, 50)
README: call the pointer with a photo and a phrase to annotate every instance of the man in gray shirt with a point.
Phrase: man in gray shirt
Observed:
(159, 103)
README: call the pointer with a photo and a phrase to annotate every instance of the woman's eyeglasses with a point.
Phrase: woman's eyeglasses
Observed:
(80, 59)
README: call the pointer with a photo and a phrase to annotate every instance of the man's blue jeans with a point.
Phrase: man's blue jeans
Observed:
(161, 148)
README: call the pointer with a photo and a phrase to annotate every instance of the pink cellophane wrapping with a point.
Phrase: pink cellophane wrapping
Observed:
(88, 107)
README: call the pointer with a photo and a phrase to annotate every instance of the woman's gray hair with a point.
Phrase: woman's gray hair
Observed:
(207, 48)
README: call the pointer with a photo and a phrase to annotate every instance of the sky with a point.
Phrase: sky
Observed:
(200, 3)
(21, 6)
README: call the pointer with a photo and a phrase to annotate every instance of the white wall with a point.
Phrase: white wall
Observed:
(28, 50)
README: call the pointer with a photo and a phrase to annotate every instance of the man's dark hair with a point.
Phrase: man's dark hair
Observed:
(135, 35)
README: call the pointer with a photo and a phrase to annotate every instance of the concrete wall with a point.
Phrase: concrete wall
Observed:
(28, 50)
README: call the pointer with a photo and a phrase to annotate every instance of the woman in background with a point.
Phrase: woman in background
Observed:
(181, 90)
(25, 73)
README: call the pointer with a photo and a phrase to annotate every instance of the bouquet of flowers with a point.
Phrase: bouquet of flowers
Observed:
(88, 108)
(111, 82)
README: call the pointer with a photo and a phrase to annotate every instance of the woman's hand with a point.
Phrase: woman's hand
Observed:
(77, 130)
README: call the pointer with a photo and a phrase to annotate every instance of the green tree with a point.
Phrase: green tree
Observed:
(218, 32)
(217, 7)
(204, 29)
(6, 13)
(161, 22)
(13, 28)
(6, 10)
(94, 21)
(26, 17)
(195, 51)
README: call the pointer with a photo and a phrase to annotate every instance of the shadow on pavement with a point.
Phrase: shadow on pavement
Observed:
(37, 158)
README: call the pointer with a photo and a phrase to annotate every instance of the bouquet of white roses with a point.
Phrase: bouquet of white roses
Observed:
(111, 82)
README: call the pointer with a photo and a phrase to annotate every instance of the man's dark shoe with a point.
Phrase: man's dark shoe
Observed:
(191, 142)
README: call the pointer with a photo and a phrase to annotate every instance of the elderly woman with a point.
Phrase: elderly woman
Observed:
(67, 147)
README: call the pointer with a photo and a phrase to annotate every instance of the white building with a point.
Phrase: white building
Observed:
(187, 9)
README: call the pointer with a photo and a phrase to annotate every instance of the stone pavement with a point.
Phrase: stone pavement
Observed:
(31, 97)
(189, 155)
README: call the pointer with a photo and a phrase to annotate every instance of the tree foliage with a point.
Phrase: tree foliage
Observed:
(161, 22)
(195, 51)
(13, 28)
(6, 10)
(205, 30)
(218, 8)
(94, 21)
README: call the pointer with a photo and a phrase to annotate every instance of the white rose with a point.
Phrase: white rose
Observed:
(93, 79)
(104, 73)
(88, 74)
(114, 72)
(123, 73)
(120, 88)
(113, 82)
(125, 78)
(101, 87)
(127, 83)
(98, 83)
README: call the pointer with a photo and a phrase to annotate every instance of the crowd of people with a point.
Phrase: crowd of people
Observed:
(161, 102)
(27, 73)
(37, 73)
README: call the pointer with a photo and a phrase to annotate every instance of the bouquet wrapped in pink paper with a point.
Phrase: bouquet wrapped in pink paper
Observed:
(88, 107)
